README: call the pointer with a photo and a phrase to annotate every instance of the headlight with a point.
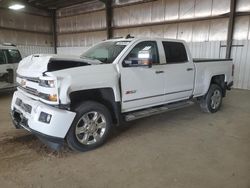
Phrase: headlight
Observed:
(47, 83)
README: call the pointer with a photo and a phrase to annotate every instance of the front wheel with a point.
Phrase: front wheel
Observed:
(90, 128)
(212, 101)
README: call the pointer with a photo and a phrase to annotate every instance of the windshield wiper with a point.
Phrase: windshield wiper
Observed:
(103, 60)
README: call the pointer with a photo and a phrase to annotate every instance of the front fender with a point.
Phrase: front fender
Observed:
(87, 78)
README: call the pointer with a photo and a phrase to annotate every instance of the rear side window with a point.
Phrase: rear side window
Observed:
(2, 57)
(13, 56)
(175, 52)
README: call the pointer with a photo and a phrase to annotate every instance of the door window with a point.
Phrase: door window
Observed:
(13, 56)
(175, 52)
(143, 53)
(2, 58)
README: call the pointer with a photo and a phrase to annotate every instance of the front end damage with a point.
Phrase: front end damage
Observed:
(35, 104)
(48, 123)
(41, 103)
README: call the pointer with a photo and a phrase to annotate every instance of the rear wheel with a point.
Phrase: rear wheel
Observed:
(212, 101)
(90, 128)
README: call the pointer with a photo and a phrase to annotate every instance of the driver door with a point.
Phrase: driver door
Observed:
(142, 77)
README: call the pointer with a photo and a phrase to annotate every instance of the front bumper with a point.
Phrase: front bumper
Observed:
(26, 115)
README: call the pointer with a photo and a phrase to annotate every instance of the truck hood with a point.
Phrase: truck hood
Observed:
(36, 65)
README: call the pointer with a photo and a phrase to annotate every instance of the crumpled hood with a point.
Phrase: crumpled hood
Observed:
(35, 65)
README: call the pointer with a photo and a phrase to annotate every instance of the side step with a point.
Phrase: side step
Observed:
(156, 110)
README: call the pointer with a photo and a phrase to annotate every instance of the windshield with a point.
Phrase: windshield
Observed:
(106, 52)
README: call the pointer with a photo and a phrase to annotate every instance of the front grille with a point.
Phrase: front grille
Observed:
(24, 106)
(22, 85)
(32, 79)
(36, 80)
(29, 90)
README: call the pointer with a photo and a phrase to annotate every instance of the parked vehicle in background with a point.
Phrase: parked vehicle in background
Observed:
(81, 99)
(9, 59)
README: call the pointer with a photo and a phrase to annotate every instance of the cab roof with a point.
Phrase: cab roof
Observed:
(146, 38)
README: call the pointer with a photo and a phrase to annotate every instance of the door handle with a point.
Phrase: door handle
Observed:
(190, 69)
(159, 72)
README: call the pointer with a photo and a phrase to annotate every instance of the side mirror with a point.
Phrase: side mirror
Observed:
(143, 60)
(137, 63)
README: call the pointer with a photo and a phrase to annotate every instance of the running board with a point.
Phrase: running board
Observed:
(157, 110)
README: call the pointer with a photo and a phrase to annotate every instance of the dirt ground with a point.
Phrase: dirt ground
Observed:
(183, 148)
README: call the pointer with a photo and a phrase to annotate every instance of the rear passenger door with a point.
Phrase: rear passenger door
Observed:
(179, 72)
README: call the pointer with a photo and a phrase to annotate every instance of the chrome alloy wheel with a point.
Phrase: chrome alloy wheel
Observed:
(90, 128)
(215, 99)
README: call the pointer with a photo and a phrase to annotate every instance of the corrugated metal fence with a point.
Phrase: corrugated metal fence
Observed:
(240, 56)
(28, 50)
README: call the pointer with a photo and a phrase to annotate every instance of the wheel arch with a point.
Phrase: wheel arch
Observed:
(105, 96)
(220, 81)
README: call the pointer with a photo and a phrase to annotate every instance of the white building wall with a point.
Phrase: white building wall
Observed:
(27, 50)
(77, 51)
(31, 33)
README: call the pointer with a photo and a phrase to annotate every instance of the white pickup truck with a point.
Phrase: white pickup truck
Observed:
(79, 100)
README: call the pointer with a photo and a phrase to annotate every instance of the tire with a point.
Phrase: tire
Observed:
(90, 128)
(212, 101)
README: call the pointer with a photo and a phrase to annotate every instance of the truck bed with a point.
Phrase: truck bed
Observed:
(204, 71)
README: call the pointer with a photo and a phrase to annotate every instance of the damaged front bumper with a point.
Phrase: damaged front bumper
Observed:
(48, 123)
